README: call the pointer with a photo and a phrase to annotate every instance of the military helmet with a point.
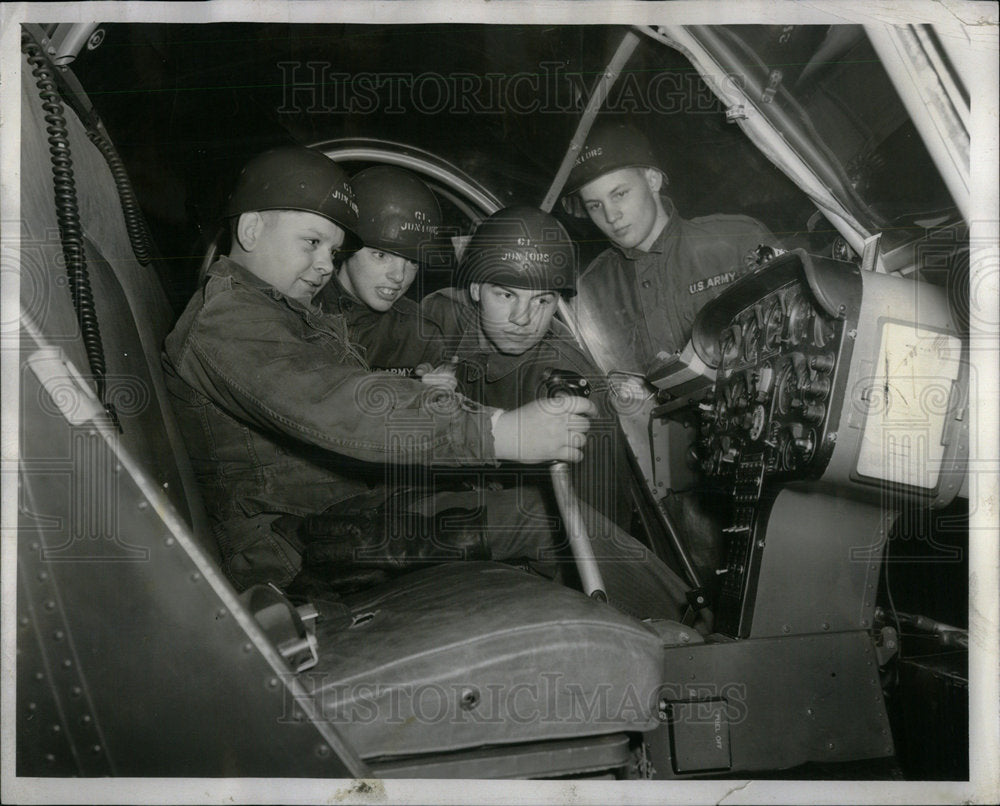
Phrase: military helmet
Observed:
(521, 247)
(295, 178)
(397, 212)
(610, 145)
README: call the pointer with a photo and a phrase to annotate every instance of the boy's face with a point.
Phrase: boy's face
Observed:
(291, 250)
(513, 319)
(377, 278)
(625, 206)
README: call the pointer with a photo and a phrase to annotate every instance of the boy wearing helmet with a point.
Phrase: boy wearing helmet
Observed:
(496, 328)
(278, 409)
(397, 224)
(499, 345)
(639, 297)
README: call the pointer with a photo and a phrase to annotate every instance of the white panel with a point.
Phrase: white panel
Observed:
(907, 405)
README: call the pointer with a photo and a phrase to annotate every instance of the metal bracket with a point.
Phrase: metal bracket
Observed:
(736, 112)
(69, 391)
(870, 256)
(291, 629)
(886, 646)
(697, 598)
(773, 82)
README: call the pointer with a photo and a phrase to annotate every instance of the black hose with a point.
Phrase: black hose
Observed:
(68, 218)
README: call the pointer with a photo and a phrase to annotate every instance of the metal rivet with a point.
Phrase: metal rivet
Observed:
(786, 628)
(49, 604)
(830, 745)
(826, 626)
(272, 683)
(195, 576)
(692, 675)
(58, 635)
(247, 647)
(34, 545)
(96, 748)
(469, 699)
(221, 613)
(56, 729)
(76, 691)
(322, 751)
(24, 621)
(662, 716)
(142, 505)
(809, 711)
(43, 575)
(67, 664)
(168, 542)
(39, 676)
(118, 468)
(49, 757)
(85, 719)
(32, 706)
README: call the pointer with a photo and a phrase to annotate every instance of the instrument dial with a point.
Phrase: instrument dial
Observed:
(759, 422)
(788, 388)
(729, 347)
(751, 339)
(822, 330)
(774, 321)
(799, 315)
(764, 381)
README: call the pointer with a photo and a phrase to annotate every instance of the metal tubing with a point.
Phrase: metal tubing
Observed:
(576, 530)
(604, 85)
(569, 506)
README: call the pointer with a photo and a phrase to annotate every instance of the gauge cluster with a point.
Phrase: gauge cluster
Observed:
(773, 385)
(808, 353)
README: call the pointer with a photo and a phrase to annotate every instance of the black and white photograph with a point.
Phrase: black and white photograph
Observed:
(500, 402)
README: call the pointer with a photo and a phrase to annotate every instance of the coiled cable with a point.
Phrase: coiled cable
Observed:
(135, 224)
(68, 219)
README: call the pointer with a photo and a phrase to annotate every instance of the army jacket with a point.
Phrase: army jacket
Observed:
(509, 381)
(633, 305)
(280, 413)
(394, 341)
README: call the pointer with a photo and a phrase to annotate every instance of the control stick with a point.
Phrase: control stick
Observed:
(560, 383)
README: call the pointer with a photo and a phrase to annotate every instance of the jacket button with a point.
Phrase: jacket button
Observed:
(646, 284)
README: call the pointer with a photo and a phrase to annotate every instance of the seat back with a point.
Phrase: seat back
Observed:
(132, 310)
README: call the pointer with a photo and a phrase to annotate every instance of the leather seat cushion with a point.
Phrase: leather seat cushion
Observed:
(472, 654)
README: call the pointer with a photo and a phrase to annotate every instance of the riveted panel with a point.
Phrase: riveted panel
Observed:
(149, 664)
